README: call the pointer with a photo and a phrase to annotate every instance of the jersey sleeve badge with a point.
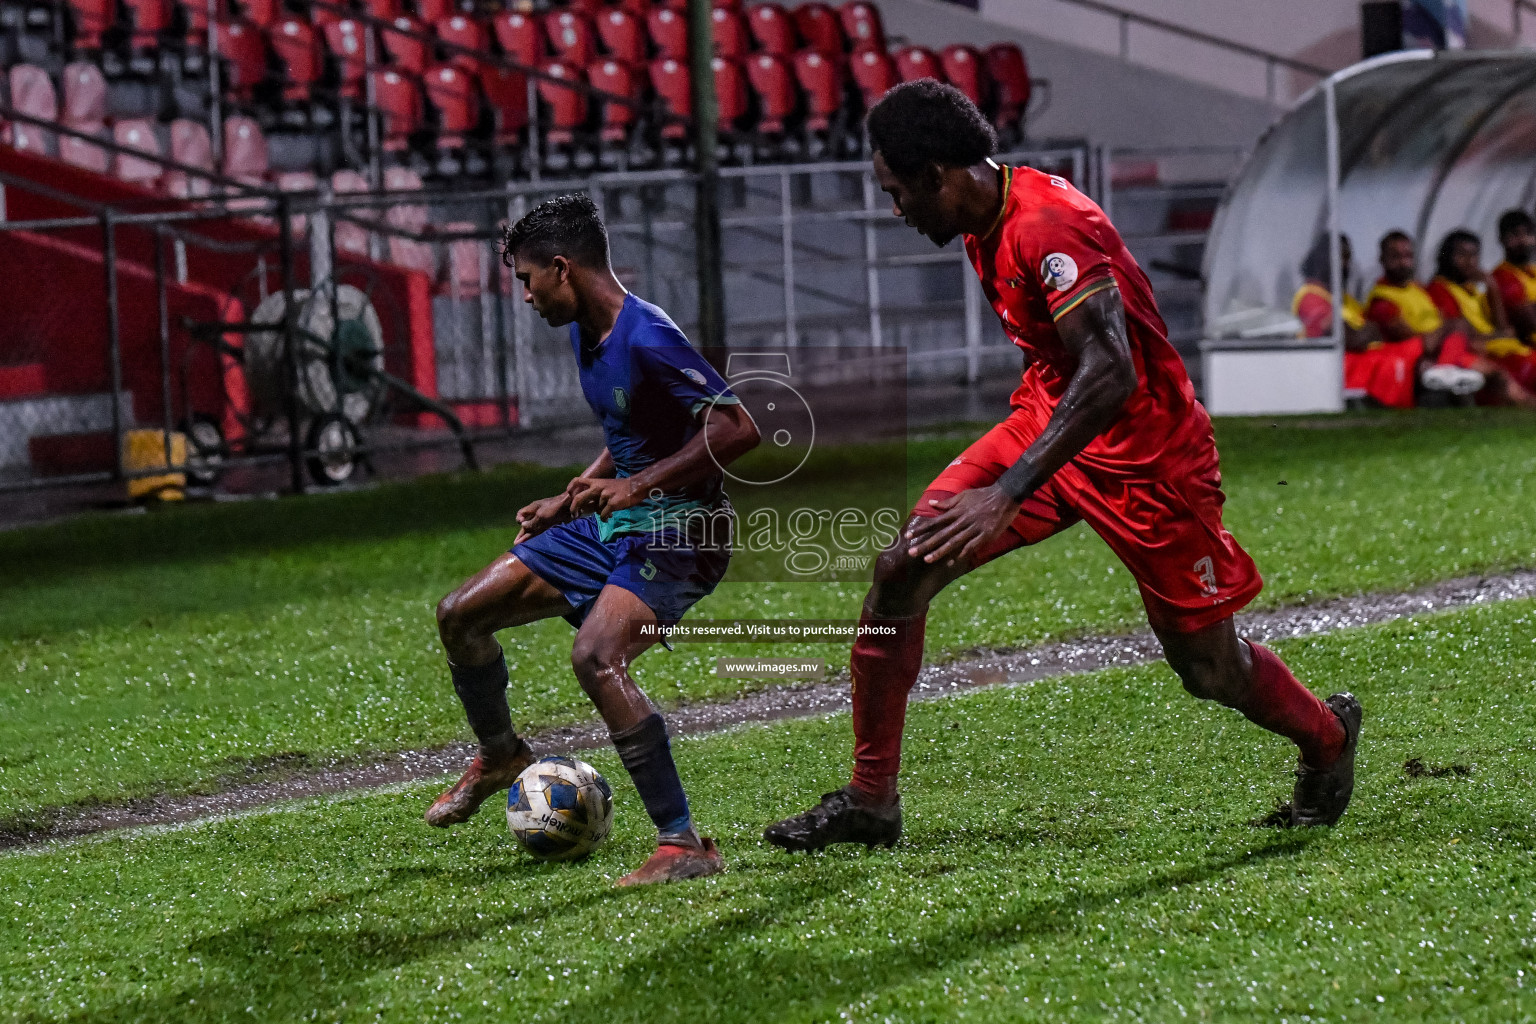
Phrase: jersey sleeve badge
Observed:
(1058, 271)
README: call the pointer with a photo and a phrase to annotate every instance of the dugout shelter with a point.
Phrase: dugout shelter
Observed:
(1421, 141)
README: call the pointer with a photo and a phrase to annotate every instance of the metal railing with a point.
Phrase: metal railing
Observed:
(813, 261)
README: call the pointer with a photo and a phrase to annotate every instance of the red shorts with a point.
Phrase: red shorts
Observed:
(1166, 529)
(1387, 372)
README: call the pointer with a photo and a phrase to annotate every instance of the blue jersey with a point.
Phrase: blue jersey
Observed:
(647, 386)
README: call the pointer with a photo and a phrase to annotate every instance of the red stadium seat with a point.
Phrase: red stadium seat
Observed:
(434, 11)
(384, 10)
(674, 86)
(412, 217)
(821, 76)
(861, 24)
(820, 27)
(776, 91)
(521, 38)
(261, 13)
(83, 153)
(506, 92)
(85, 110)
(462, 269)
(451, 89)
(407, 45)
(298, 51)
(346, 233)
(640, 9)
(398, 98)
(966, 70)
(669, 32)
(136, 134)
(874, 73)
(914, 62)
(197, 20)
(773, 29)
(190, 145)
(572, 37)
(623, 35)
(618, 79)
(150, 18)
(731, 91)
(1010, 76)
(32, 93)
(243, 50)
(733, 40)
(346, 39)
(303, 181)
(92, 18)
(462, 30)
(245, 150)
(568, 106)
(85, 97)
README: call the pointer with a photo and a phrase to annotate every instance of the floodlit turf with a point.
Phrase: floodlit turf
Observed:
(195, 646)
(1076, 850)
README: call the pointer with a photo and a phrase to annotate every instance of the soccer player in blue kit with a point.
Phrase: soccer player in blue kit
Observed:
(620, 548)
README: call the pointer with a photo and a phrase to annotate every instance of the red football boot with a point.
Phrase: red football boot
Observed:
(488, 774)
(674, 863)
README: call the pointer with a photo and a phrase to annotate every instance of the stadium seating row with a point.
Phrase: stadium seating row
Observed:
(452, 84)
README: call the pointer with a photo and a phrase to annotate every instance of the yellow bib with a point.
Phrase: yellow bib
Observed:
(1525, 277)
(1474, 310)
(1354, 313)
(1413, 302)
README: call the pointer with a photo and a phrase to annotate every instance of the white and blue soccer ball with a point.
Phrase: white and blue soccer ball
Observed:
(560, 809)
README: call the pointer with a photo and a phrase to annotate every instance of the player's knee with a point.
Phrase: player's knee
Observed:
(595, 663)
(896, 588)
(450, 616)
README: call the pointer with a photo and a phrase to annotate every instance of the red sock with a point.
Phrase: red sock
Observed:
(1278, 702)
(884, 668)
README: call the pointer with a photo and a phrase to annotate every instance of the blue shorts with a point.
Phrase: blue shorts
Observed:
(661, 570)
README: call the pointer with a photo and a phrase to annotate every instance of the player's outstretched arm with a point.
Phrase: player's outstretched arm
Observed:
(728, 434)
(1094, 332)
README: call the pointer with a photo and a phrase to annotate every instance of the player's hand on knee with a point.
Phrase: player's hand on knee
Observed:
(964, 526)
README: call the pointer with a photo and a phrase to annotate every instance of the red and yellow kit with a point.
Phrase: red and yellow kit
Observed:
(1516, 284)
(1149, 484)
(1385, 370)
(1512, 356)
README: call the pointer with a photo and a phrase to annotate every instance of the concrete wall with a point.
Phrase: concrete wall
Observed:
(1093, 95)
(1320, 32)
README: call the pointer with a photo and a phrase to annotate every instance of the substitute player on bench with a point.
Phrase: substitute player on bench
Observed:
(617, 550)
(1104, 428)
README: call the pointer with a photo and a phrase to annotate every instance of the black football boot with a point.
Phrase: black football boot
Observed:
(839, 818)
(1322, 793)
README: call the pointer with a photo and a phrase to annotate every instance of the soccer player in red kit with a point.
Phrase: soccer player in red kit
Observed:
(1104, 428)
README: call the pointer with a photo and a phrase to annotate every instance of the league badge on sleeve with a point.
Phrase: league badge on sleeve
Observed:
(1058, 271)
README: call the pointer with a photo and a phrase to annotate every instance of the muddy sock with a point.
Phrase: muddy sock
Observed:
(482, 689)
(1277, 701)
(884, 667)
(647, 755)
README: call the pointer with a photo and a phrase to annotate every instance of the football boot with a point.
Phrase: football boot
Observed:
(488, 774)
(840, 818)
(1322, 793)
(674, 863)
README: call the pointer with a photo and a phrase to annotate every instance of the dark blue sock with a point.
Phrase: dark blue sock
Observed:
(482, 689)
(647, 756)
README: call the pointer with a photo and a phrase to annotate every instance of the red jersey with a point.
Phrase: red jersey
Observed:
(1050, 248)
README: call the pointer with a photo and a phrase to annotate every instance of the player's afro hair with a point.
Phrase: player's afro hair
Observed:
(924, 122)
(567, 225)
(1448, 246)
(1512, 220)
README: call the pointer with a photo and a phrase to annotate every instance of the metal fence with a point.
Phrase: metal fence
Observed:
(292, 337)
